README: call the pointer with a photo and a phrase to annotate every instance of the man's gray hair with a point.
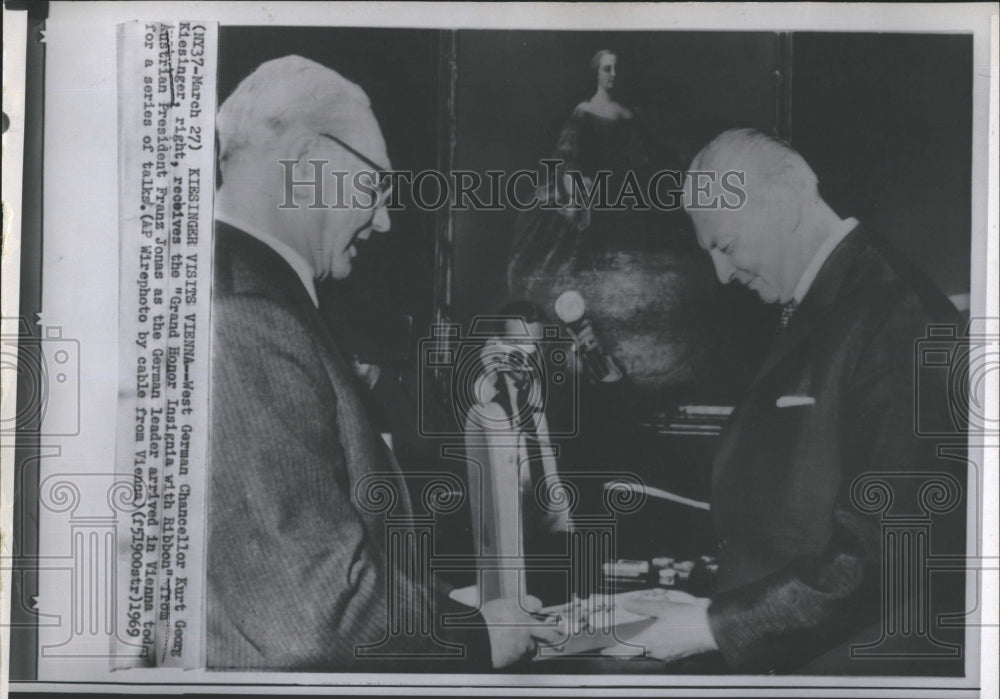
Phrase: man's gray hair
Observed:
(753, 152)
(288, 95)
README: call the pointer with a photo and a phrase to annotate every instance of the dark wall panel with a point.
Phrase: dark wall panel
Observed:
(886, 122)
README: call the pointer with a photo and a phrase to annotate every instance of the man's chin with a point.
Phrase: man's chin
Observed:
(767, 294)
(341, 270)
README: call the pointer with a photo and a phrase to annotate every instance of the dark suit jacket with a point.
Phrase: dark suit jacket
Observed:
(799, 565)
(297, 572)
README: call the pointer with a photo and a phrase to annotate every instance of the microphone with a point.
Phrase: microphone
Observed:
(571, 309)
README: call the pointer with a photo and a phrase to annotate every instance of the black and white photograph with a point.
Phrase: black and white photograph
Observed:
(432, 346)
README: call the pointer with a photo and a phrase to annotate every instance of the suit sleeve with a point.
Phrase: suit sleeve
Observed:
(291, 566)
(817, 602)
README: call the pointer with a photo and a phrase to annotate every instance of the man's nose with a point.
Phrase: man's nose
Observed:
(723, 267)
(381, 222)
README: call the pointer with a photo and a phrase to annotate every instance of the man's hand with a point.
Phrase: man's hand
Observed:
(514, 633)
(681, 627)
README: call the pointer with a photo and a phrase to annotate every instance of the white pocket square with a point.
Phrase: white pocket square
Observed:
(794, 401)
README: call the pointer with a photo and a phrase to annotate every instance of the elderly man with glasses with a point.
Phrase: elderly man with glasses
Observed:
(298, 574)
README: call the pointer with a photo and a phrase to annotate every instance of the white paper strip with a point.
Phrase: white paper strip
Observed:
(166, 112)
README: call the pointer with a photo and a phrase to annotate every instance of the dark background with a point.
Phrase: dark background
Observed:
(886, 122)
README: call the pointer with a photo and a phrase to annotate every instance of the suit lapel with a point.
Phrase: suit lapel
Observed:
(809, 320)
(364, 450)
(272, 276)
(813, 312)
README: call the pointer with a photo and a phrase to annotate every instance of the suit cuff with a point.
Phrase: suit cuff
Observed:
(734, 638)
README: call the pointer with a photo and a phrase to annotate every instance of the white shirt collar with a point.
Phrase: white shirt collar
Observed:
(824, 251)
(287, 252)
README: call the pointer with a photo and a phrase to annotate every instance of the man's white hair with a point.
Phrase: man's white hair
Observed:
(288, 95)
(755, 153)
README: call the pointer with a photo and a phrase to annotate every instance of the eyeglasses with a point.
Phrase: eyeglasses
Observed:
(384, 186)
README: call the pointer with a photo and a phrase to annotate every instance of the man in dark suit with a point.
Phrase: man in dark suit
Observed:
(298, 572)
(800, 563)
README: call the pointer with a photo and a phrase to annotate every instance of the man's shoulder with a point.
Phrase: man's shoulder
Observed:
(246, 265)
(250, 278)
(254, 316)
(882, 304)
(265, 339)
(256, 297)
(882, 280)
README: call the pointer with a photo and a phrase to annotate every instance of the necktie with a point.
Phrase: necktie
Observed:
(525, 418)
(787, 311)
(537, 538)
